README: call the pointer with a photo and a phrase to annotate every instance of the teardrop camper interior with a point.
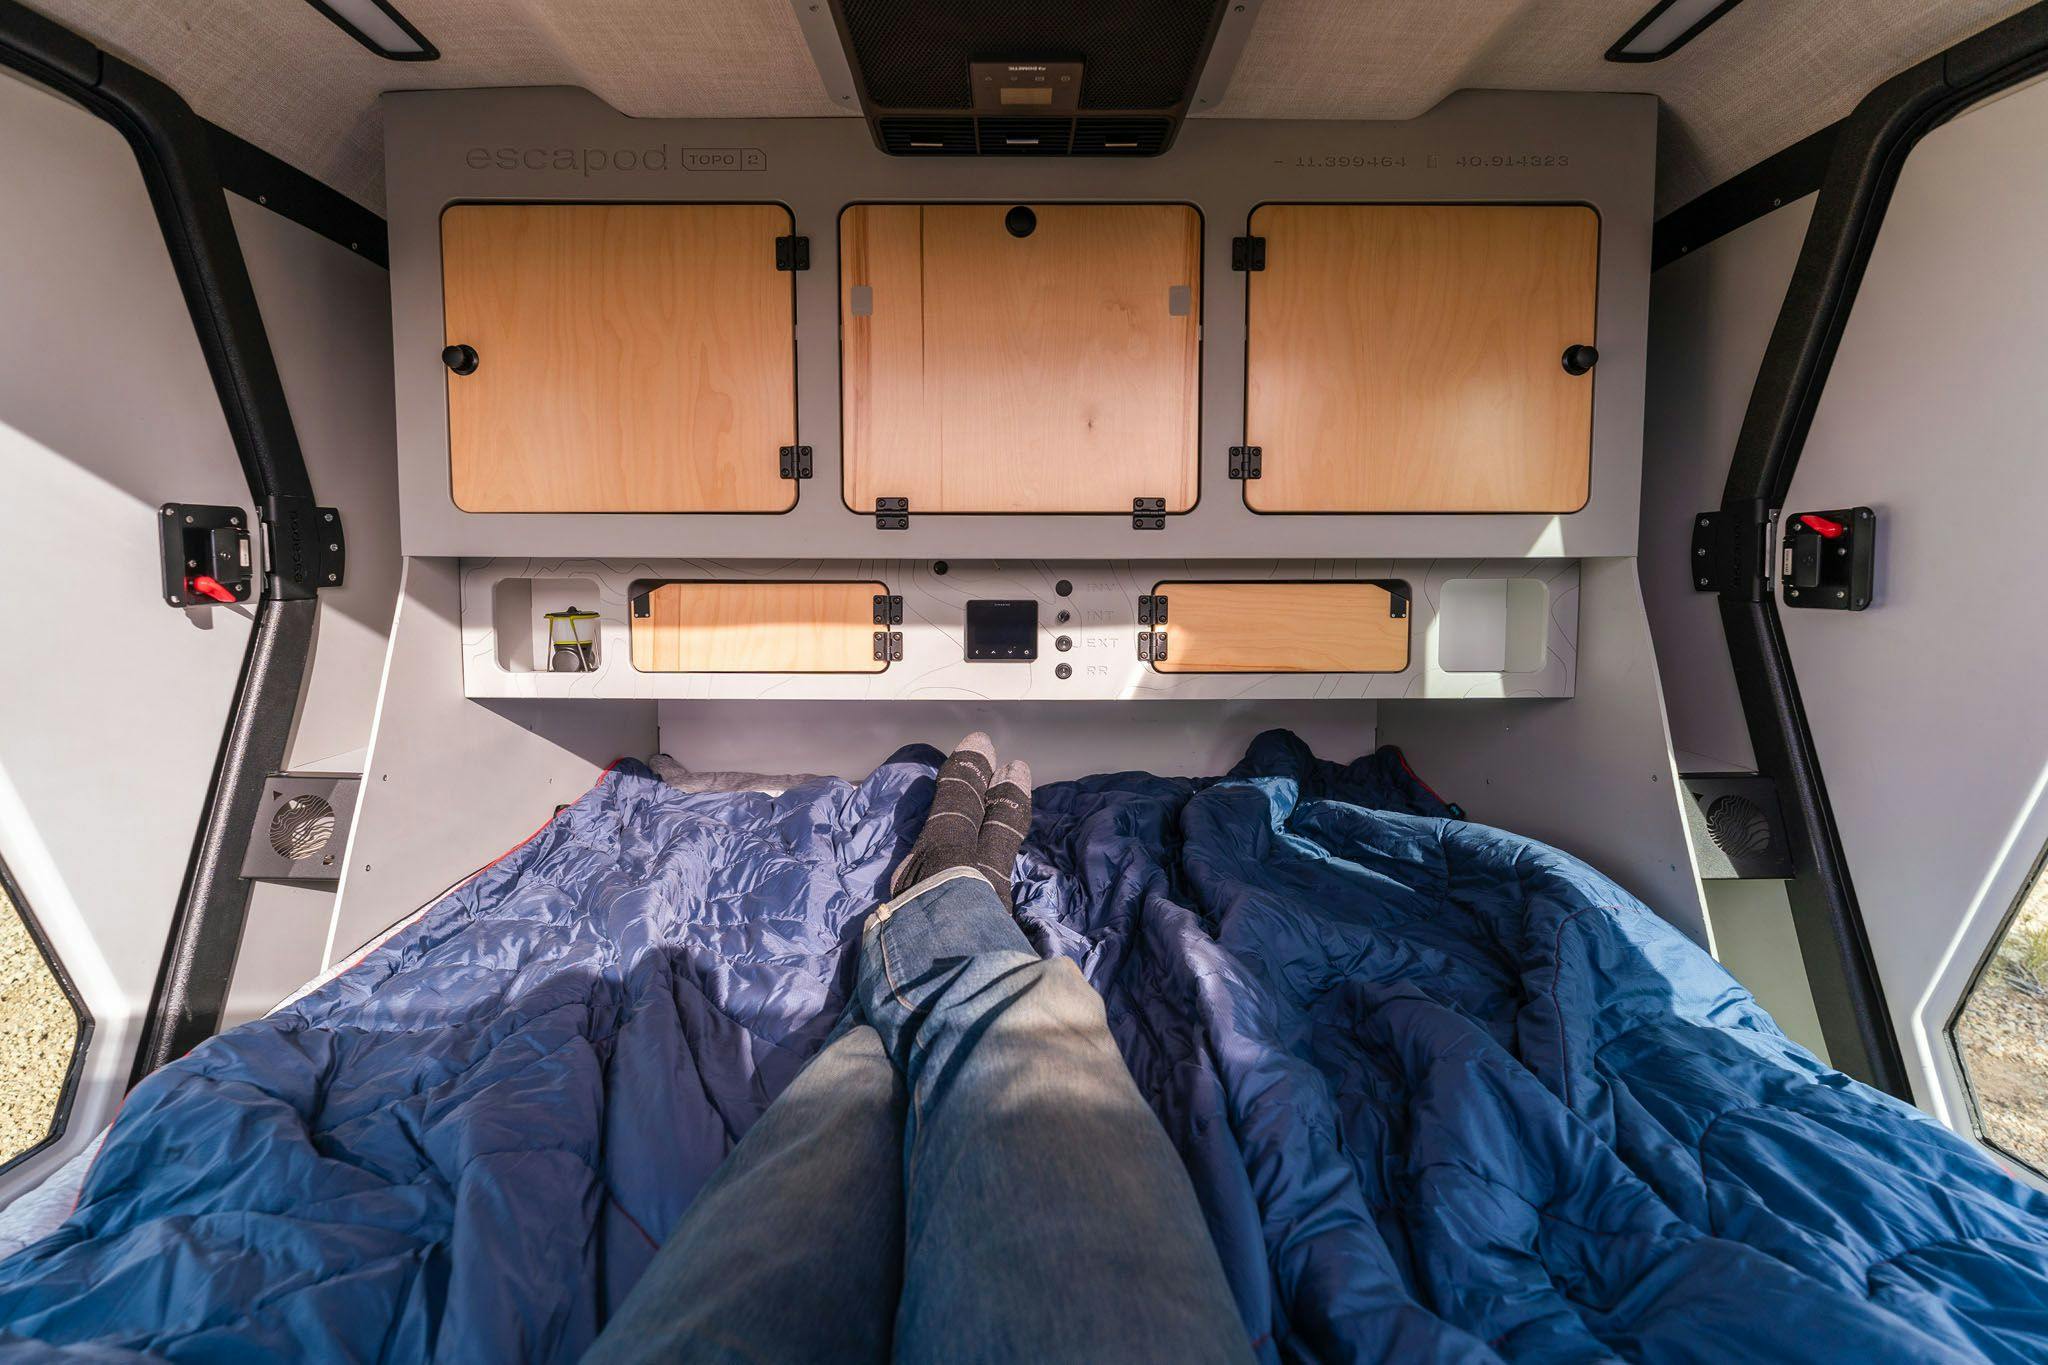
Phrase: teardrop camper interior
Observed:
(1461, 563)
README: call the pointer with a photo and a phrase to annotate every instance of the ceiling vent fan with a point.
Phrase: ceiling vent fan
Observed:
(996, 78)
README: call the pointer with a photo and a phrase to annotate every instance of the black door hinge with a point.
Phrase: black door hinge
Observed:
(796, 462)
(888, 609)
(1152, 646)
(1148, 514)
(889, 646)
(792, 253)
(1397, 601)
(1247, 253)
(305, 547)
(892, 514)
(1247, 462)
(1729, 551)
(643, 605)
(1152, 610)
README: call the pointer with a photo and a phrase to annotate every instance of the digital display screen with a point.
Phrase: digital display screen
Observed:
(1027, 94)
(1001, 631)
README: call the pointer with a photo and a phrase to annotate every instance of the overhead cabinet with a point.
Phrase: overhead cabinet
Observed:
(1020, 358)
(1324, 626)
(1421, 357)
(724, 627)
(618, 357)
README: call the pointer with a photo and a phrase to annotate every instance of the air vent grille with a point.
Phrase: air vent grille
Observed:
(1121, 136)
(928, 136)
(1026, 136)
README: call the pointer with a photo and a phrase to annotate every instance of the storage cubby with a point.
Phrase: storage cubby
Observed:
(805, 627)
(1411, 357)
(1020, 358)
(621, 357)
(1282, 627)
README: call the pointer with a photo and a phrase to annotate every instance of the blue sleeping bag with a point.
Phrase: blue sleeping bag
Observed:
(1445, 1094)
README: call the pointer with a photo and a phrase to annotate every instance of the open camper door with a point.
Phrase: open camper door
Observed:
(1879, 572)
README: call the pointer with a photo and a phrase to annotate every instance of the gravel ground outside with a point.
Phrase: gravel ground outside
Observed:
(37, 1032)
(2003, 1036)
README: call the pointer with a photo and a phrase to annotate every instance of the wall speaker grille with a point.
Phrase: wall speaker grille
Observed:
(302, 827)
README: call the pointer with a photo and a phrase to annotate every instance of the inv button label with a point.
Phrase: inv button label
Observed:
(724, 159)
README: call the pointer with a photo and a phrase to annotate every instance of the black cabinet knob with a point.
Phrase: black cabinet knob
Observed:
(1020, 221)
(1580, 359)
(461, 359)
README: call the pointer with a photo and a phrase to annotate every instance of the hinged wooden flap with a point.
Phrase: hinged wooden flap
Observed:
(758, 628)
(629, 357)
(1281, 627)
(1410, 357)
(1002, 358)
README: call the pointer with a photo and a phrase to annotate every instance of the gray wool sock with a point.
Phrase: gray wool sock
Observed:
(1005, 822)
(953, 824)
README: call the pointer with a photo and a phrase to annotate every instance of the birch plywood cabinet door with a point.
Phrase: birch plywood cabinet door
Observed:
(1410, 357)
(1326, 626)
(757, 628)
(1021, 358)
(628, 357)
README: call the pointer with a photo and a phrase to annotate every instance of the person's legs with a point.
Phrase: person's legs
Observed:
(794, 1250)
(1048, 1215)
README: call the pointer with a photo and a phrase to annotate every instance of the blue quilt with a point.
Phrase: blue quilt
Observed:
(1446, 1094)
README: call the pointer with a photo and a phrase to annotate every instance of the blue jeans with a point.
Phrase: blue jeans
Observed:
(966, 1172)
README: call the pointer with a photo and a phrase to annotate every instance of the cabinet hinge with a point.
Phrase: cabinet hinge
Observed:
(1152, 646)
(889, 646)
(796, 462)
(1247, 462)
(888, 610)
(792, 253)
(1148, 514)
(892, 514)
(1152, 610)
(1247, 253)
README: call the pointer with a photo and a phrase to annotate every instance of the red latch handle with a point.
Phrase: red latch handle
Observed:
(1824, 527)
(207, 586)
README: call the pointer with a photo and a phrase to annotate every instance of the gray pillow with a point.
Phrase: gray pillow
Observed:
(682, 779)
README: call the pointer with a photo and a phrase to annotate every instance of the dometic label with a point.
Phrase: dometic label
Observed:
(656, 159)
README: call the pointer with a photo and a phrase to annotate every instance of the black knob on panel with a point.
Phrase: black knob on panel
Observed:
(460, 359)
(1063, 643)
(1063, 588)
(1580, 359)
(1063, 672)
(1021, 222)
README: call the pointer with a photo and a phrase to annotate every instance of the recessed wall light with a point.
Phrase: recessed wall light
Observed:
(1669, 25)
(379, 27)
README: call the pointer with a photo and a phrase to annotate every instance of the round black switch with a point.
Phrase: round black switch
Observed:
(1063, 588)
(1063, 672)
(1020, 221)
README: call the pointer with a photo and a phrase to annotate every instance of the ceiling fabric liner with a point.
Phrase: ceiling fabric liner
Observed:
(1770, 72)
